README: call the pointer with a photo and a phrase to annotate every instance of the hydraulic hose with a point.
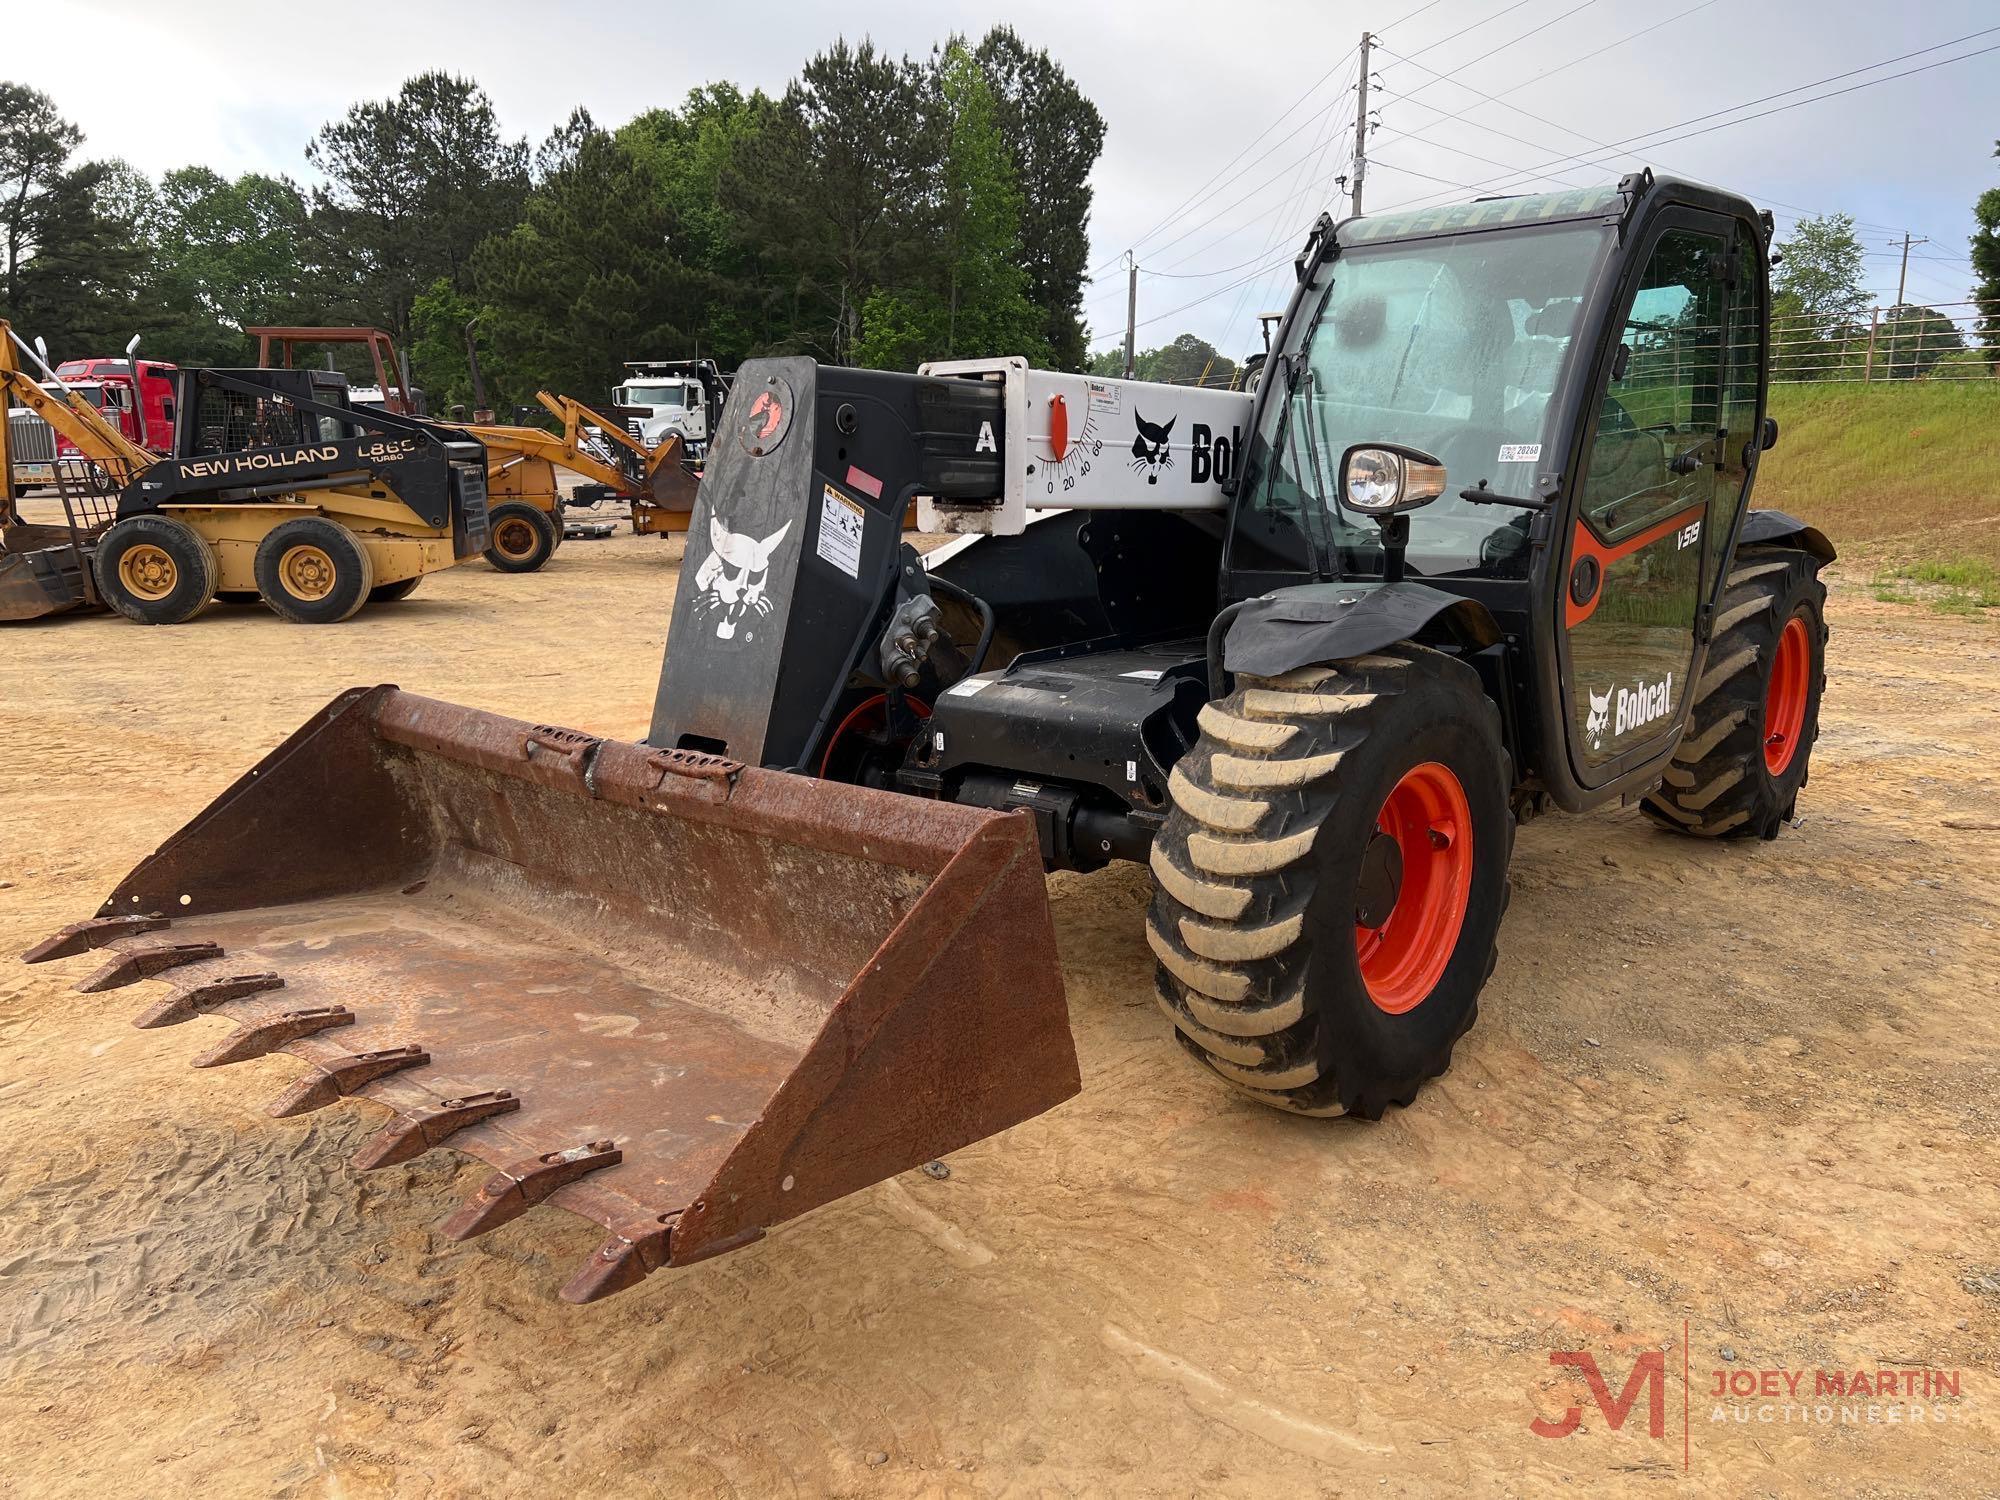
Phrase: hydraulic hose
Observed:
(986, 618)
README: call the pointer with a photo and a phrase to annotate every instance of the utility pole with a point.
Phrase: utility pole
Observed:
(1131, 307)
(1360, 129)
(1903, 277)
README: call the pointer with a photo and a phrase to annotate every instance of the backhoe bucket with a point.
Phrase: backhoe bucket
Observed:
(684, 998)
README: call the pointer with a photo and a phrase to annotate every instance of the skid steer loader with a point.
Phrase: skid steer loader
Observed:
(1478, 545)
(276, 490)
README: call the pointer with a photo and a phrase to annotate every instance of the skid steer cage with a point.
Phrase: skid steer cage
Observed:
(683, 998)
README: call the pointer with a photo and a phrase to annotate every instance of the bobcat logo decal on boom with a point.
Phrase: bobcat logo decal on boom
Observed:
(1149, 449)
(732, 578)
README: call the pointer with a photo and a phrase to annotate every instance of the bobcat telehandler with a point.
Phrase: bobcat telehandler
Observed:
(275, 490)
(1479, 544)
(525, 502)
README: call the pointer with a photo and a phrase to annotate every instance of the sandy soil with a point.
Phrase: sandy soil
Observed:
(1753, 1088)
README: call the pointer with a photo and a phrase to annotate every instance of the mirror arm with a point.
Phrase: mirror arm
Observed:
(1479, 494)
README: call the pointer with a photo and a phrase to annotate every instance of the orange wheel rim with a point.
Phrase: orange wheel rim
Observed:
(148, 572)
(307, 572)
(1429, 817)
(516, 539)
(1785, 696)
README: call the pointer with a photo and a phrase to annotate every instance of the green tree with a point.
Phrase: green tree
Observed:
(69, 253)
(1055, 136)
(416, 183)
(438, 363)
(1188, 360)
(1912, 340)
(968, 294)
(585, 281)
(1819, 302)
(831, 188)
(686, 151)
(226, 256)
(36, 144)
(1986, 266)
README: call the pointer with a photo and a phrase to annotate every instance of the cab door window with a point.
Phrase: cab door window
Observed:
(1649, 476)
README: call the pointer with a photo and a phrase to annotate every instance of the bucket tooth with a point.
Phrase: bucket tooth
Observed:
(634, 1253)
(81, 937)
(332, 1080)
(626, 1259)
(185, 1005)
(264, 1037)
(513, 1190)
(136, 964)
(410, 1136)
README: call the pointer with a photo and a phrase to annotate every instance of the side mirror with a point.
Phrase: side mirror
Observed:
(1770, 433)
(1384, 479)
(1621, 361)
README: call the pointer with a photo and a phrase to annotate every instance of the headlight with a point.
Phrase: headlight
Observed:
(1380, 480)
(1374, 479)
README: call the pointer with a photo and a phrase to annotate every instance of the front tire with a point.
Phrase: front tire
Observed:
(521, 537)
(155, 570)
(1755, 715)
(313, 571)
(1330, 882)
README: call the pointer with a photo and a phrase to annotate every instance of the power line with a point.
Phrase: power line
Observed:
(1495, 52)
(1202, 191)
(1501, 100)
(1646, 137)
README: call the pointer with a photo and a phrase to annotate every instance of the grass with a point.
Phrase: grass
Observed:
(1951, 586)
(1904, 478)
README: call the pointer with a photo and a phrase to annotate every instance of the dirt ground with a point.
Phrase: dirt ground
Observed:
(1751, 1089)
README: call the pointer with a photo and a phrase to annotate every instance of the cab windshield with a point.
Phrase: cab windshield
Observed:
(1454, 346)
(655, 395)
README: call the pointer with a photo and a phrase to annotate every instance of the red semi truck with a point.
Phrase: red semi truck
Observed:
(107, 384)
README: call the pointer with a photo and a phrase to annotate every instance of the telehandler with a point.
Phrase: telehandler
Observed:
(275, 490)
(1478, 545)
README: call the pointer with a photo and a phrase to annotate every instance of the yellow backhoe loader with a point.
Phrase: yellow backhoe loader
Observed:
(276, 490)
(521, 462)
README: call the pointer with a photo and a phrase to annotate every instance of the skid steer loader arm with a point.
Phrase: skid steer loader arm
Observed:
(681, 997)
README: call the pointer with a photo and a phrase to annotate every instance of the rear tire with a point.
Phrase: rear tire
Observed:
(1755, 715)
(155, 570)
(1292, 962)
(389, 593)
(522, 538)
(313, 571)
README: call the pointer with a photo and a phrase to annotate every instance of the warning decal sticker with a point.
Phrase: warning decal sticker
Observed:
(841, 525)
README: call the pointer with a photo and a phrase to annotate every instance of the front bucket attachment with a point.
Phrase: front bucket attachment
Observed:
(669, 502)
(680, 997)
(39, 575)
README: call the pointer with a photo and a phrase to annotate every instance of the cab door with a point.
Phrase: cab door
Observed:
(1635, 561)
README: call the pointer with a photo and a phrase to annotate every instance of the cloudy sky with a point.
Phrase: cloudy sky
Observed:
(1229, 124)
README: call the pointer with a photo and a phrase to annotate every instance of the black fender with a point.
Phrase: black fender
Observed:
(1765, 527)
(1323, 622)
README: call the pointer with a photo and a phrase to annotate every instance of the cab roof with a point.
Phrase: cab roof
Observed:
(1611, 202)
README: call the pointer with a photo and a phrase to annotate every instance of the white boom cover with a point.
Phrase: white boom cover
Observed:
(1075, 442)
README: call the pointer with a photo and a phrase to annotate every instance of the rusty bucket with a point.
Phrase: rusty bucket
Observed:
(682, 997)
